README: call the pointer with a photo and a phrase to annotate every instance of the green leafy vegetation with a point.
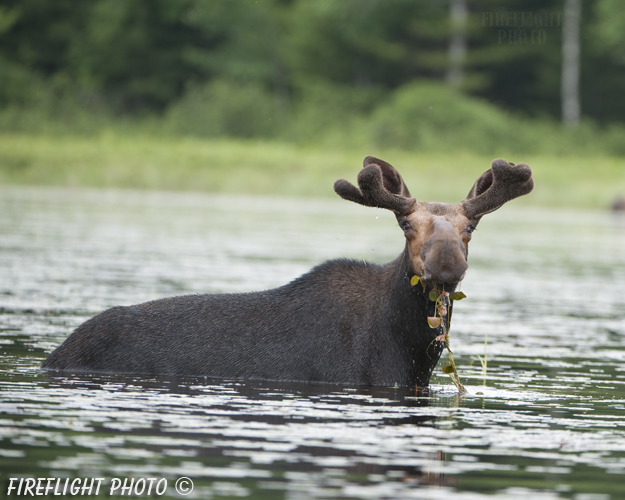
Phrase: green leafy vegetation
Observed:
(155, 94)
(136, 58)
(441, 319)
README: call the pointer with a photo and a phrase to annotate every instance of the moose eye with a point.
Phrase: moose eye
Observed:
(405, 225)
(470, 229)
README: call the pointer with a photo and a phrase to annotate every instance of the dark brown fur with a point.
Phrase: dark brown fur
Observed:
(343, 322)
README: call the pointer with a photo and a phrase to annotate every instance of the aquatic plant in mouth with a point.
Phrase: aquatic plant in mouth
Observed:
(441, 300)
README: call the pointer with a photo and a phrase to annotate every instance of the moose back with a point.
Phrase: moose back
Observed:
(345, 321)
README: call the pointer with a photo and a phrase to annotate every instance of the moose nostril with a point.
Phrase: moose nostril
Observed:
(445, 277)
(451, 271)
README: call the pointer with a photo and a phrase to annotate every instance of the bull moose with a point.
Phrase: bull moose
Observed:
(345, 321)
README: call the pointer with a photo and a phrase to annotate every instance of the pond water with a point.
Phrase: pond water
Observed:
(544, 420)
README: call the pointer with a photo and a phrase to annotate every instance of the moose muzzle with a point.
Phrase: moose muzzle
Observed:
(444, 255)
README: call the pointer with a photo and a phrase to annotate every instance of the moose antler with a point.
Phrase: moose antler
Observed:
(503, 182)
(380, 186)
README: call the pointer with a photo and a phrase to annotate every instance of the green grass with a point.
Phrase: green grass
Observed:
(274, 168)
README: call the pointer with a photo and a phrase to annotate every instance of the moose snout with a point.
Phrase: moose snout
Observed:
(444, 255)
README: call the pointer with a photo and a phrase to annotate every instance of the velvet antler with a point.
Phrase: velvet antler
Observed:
(502, 183)
(380, 186)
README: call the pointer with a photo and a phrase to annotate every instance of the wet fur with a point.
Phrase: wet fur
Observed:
(343, 322)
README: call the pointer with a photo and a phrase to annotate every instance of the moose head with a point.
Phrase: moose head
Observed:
(437, 234)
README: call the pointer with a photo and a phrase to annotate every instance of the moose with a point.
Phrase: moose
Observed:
(344, 322)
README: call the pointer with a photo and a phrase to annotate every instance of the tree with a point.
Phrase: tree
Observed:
(571, 107)
(458, 16)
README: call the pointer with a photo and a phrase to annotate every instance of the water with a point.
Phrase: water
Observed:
(546, 420)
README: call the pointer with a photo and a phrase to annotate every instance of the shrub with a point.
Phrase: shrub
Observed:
(330, 113)
(428, 116)
(224, 108)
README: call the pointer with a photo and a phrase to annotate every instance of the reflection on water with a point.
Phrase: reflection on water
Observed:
(546, 420)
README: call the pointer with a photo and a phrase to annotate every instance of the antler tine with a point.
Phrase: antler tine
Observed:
(502, 183)
(371, 190)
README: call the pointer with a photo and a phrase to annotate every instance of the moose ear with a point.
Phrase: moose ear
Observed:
(502, 183)
(390, 176)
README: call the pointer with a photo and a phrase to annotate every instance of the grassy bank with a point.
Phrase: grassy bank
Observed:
(235, 166)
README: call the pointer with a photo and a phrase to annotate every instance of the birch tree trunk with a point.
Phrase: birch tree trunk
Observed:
(571, 108)
(457, 42)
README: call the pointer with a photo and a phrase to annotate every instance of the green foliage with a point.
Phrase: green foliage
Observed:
(18, 84)
(442, 305)
(349, 74)
(330, 113)
(428, 116)
(608, 28)
(133, 51)
(366, 43)
(224, 108)
(415, 280)
(448, 369)
(246, 41)
(457, 296)
(434, 295)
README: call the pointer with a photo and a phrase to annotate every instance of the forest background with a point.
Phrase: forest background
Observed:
(284, 96)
